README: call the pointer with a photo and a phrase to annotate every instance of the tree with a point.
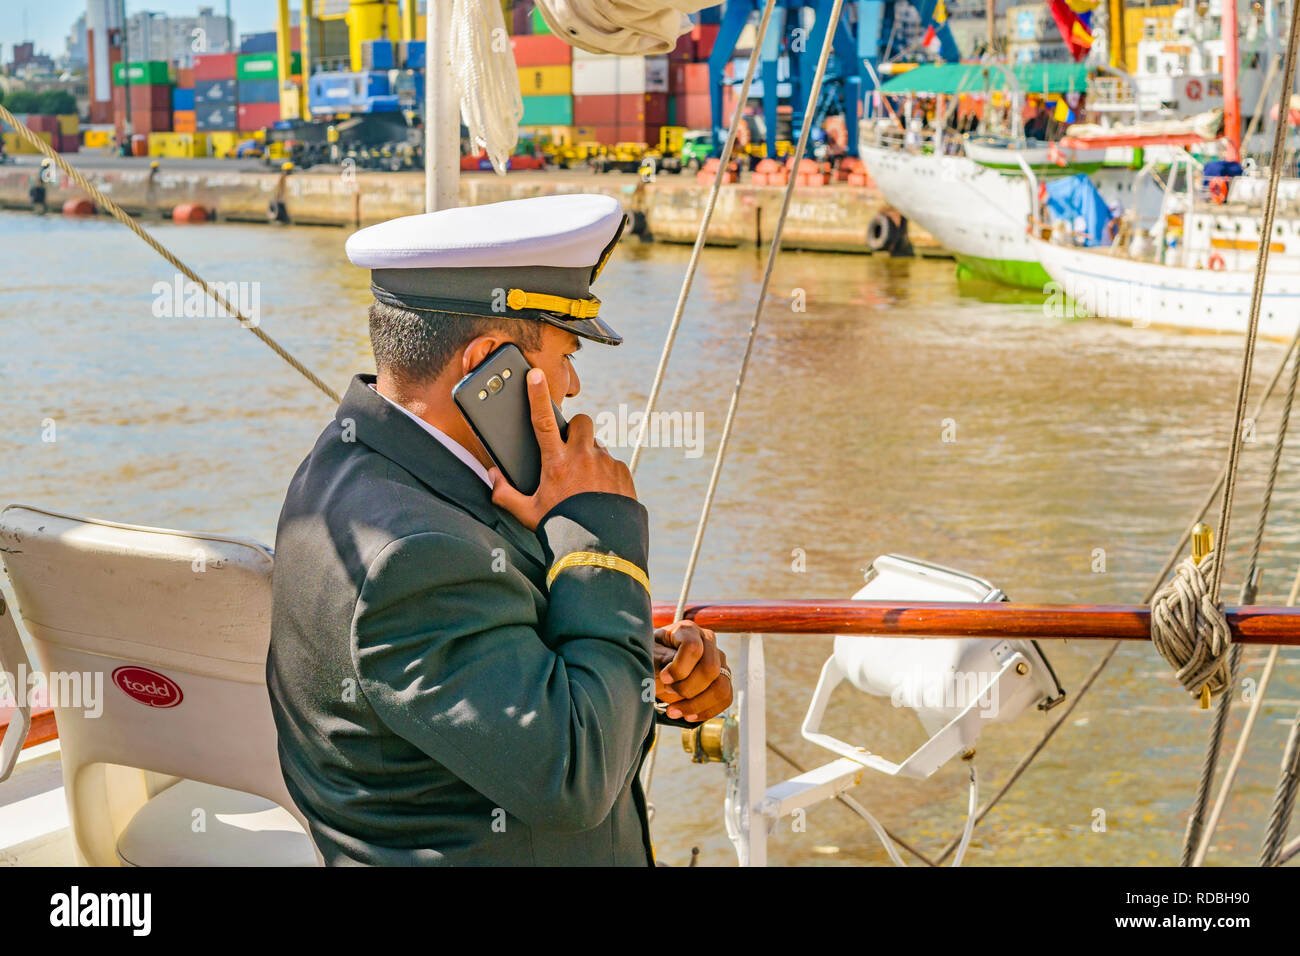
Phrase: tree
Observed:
(56, 101)
(21, 101)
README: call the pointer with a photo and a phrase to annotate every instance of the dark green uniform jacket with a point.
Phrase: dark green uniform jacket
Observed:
(435, 703)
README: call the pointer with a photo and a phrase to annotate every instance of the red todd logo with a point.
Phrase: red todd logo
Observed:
(148, 687)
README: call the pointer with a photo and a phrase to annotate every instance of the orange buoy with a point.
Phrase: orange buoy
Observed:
(1216, 262)
(78, 207)
(189, 212)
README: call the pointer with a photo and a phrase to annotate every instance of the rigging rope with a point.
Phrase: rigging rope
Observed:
(118, 213)
(648, 769)
(1283, 801)
(1196, 845)
(1189, 629)
(814, 93)
(1174, 554)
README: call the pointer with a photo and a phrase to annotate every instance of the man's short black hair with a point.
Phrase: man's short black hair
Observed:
(415, 347)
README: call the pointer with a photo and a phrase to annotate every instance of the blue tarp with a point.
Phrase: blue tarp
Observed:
(1076, 200)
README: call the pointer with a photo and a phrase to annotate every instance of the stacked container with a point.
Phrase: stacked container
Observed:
(147, 87)
(258, 90)
(215, 89)
(625, 98)
(183, 114)
(545, 79)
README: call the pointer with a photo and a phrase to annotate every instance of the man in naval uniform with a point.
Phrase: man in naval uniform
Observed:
(461, 673)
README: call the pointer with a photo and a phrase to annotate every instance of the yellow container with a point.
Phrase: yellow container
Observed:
(158, 143)
(17, 146)
(178, 145)
(97, 138)
(370, 21)
(290, 104)
(69, 124)
(222, 144)
(546, 80)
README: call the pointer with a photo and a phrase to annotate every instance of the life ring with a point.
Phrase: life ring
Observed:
(1193, 89)
(1216, 262)
(1219, 189)
(882, 233)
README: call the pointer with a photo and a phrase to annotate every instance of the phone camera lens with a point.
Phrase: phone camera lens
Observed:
(505, 373)
(482, 394)
(494, 384)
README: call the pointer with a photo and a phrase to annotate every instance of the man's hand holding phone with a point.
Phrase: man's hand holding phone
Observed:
(569, 467)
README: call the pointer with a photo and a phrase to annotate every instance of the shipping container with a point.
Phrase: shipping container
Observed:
(69, 143)
(656, 108)
(182, 99)
(258, 42)
(539, 23)
(15, 145)
(69, 124)
(257, 115)
(151, 121)
(704, 35)
(222, 143)
(209, 92)
(412, 53)
(377, 55)
(258, 91)
(541, 51)
(264, 66)
(183, 121)
(620, 74)
(613, 108)
(548, 111)
(545, 80)
(610, 134)
(214, 66)
(145, 73)
(216, 116)
(96, 138)
(151, 98)
(694, 111)
(685, 49)
(178, 145)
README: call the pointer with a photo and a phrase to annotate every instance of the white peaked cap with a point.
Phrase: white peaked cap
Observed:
(525, 258)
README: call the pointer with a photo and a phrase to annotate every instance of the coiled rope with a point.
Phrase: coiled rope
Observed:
(118, 213)
(1189, 629)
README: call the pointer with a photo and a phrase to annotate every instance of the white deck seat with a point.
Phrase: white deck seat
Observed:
(180, 767)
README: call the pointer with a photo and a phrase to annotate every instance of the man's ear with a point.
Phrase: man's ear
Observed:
(477, 350)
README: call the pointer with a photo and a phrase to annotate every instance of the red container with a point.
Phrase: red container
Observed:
(655, 108)
(151, 121)
(42, 123)
(595, 110)
(214, 66)
(705, 34)
(151, 98)
(685, 49)
(604, 132)
(101, 113)
(541, 50)
(254, 116)
(694, 111)
(647, 133)
(69, 143)
(695, 78)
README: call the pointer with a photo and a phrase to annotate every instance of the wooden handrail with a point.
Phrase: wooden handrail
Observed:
(1044, 622)
(1124, 622)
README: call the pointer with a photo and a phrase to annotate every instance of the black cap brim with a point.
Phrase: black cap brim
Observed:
(596, 329)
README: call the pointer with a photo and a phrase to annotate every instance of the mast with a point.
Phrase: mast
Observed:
(1231, 99)
(441, 113)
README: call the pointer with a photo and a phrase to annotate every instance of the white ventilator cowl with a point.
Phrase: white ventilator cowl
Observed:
(627, 27)
(487, 82)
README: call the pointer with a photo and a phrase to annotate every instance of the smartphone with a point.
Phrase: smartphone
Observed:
(494, 400)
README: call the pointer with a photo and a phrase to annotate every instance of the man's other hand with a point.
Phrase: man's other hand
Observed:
(688, 671)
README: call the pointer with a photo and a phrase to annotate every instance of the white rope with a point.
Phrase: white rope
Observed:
(688, 280)
(1189, 629)
(487, 80)
(969, 829)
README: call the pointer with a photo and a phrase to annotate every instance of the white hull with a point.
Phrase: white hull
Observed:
(1147, 293)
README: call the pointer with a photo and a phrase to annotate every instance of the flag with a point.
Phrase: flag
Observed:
(1062, 112)
(940, 13)
(1077, 37)
(931, 40)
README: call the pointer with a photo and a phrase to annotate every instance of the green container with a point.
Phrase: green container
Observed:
(146, 73)
(539, 25)
(264, 66)
(547, 111)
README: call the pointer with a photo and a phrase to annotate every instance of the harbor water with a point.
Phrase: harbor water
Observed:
(888, 408)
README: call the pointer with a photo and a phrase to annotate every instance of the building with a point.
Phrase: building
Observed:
(156, 36)
(78, 54)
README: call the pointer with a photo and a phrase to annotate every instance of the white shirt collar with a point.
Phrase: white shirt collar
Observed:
(453, 446)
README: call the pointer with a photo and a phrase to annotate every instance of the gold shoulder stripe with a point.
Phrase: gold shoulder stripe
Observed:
(578, 559)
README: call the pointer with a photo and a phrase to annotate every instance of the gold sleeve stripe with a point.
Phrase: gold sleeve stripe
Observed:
(579, 559)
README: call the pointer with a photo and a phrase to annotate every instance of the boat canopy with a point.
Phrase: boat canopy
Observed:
(950, 78)
(1076, 201)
